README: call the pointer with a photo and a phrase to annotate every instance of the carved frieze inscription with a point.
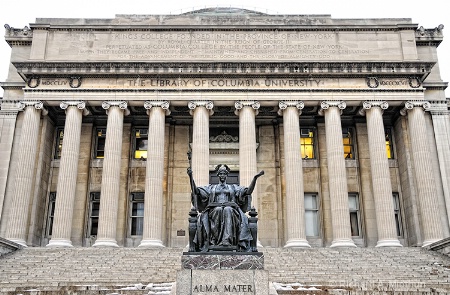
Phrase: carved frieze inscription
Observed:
(187, 83)
(222, 45)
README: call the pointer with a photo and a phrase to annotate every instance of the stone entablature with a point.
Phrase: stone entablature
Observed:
(226, 83)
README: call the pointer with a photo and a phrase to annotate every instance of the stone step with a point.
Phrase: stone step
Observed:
(362, 269)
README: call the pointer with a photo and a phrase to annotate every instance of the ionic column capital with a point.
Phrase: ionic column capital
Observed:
(290, 103)
(121, 104)
(368, 104)
(409, 105)
(243, 103)
(209, 105)
(81, 105)
(164, 104)
(38, 105)
(326, 104)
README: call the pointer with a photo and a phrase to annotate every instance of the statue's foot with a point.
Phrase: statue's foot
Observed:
(226, 244)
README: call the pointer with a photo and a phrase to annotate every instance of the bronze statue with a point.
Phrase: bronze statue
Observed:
(222, 224)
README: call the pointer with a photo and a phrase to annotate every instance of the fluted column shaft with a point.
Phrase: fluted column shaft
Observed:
(23, 181)
(200, 110)
(109, 194)
(67, 176)
(441, 121)
(426, 187)
(381, 178)
(153, 202)
(337, 179)
(295, 215)
(247, 111)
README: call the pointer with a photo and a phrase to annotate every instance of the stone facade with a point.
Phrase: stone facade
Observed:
(88, 101)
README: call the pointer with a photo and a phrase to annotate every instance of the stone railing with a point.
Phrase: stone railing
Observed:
(6, 247)
(442, 246)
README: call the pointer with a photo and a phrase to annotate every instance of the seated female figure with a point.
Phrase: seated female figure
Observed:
(222, 221)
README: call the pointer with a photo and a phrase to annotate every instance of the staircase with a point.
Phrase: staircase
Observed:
(152, 271)
(358, 271)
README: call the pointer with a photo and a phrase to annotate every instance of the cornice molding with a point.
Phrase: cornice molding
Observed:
(212, 24)
(15, 36)
(93, 69)
(328, 90)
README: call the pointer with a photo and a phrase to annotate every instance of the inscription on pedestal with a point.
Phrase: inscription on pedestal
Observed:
(226, 273)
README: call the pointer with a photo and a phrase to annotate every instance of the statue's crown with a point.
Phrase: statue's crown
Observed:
(222, 168)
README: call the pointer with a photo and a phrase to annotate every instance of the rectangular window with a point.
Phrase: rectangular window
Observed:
(51, 213)
(59, 142)
(307, 143)
(398, 217)
(94, 210)
(347, 139)
(99, 151)
(137, 214)
(140, 143)
(353, 204)
(389, 144)
(311, 215)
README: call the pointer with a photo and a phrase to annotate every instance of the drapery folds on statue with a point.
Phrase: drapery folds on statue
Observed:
(222, 223)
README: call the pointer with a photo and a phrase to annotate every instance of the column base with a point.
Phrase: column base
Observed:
(297, 243)
(425, 243)
(21, 242)
(389, 243)
(342, 243)
(105, 243)
(56, 243)
(151, 244)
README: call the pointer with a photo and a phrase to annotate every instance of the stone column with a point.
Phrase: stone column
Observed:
(67, 176)
(337, 179)
(153, 203)
(295, 197)
(109, 193)
(426, 187)
(200, 110)
(247, 111)
(441, 118)
(381, 177)
(24, 175)
(8, 119)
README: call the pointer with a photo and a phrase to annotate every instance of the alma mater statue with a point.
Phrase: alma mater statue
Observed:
(222, 223)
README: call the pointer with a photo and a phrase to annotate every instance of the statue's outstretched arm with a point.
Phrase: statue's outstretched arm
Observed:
(194, 188)
(251, 187)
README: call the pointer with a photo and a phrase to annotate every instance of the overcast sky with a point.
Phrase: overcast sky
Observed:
(428, 14)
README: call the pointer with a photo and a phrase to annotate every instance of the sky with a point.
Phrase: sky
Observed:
(428, 14)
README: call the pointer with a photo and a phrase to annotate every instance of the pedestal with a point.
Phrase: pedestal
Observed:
(222, 273)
